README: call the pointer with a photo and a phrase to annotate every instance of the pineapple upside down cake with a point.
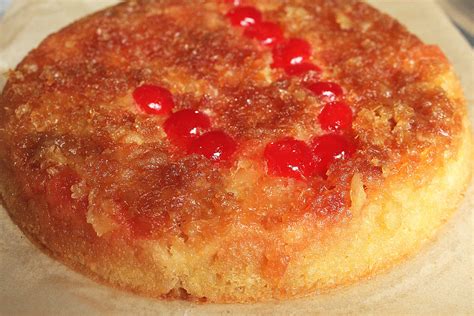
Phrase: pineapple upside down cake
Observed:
(233, 151)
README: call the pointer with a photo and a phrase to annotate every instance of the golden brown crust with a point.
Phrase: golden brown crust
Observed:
(80, 165)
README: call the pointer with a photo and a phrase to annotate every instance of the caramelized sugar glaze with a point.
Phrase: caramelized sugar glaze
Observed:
(77, 145)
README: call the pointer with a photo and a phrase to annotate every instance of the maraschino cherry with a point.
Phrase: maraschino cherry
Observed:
(267, 33)
(336, 116)
(244, 16)
(292, 52)
(153, 99)
(329, 148)
(185, 125)
(215, 145)
(290, 158)
(327, 91)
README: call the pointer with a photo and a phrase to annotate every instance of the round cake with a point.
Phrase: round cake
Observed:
(233, 151)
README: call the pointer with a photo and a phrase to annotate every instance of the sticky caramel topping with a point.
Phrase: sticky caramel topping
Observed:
(68, 109)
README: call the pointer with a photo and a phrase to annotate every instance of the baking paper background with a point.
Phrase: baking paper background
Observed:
(439, 280)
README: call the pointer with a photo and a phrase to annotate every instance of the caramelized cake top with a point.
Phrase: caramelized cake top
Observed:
(75, 133)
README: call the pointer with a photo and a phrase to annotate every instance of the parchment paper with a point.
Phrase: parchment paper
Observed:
(439, 280)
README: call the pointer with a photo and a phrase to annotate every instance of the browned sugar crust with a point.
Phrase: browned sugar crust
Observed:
(81, 163)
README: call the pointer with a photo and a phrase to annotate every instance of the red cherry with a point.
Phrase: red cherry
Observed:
(327, 91)
(244, 16)
(292, 52)
(289, 157)
(301, 69)
(215, 145)
(329, 148)
(185, 125)
(153, 99)
(267, 33)
(336, 116)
